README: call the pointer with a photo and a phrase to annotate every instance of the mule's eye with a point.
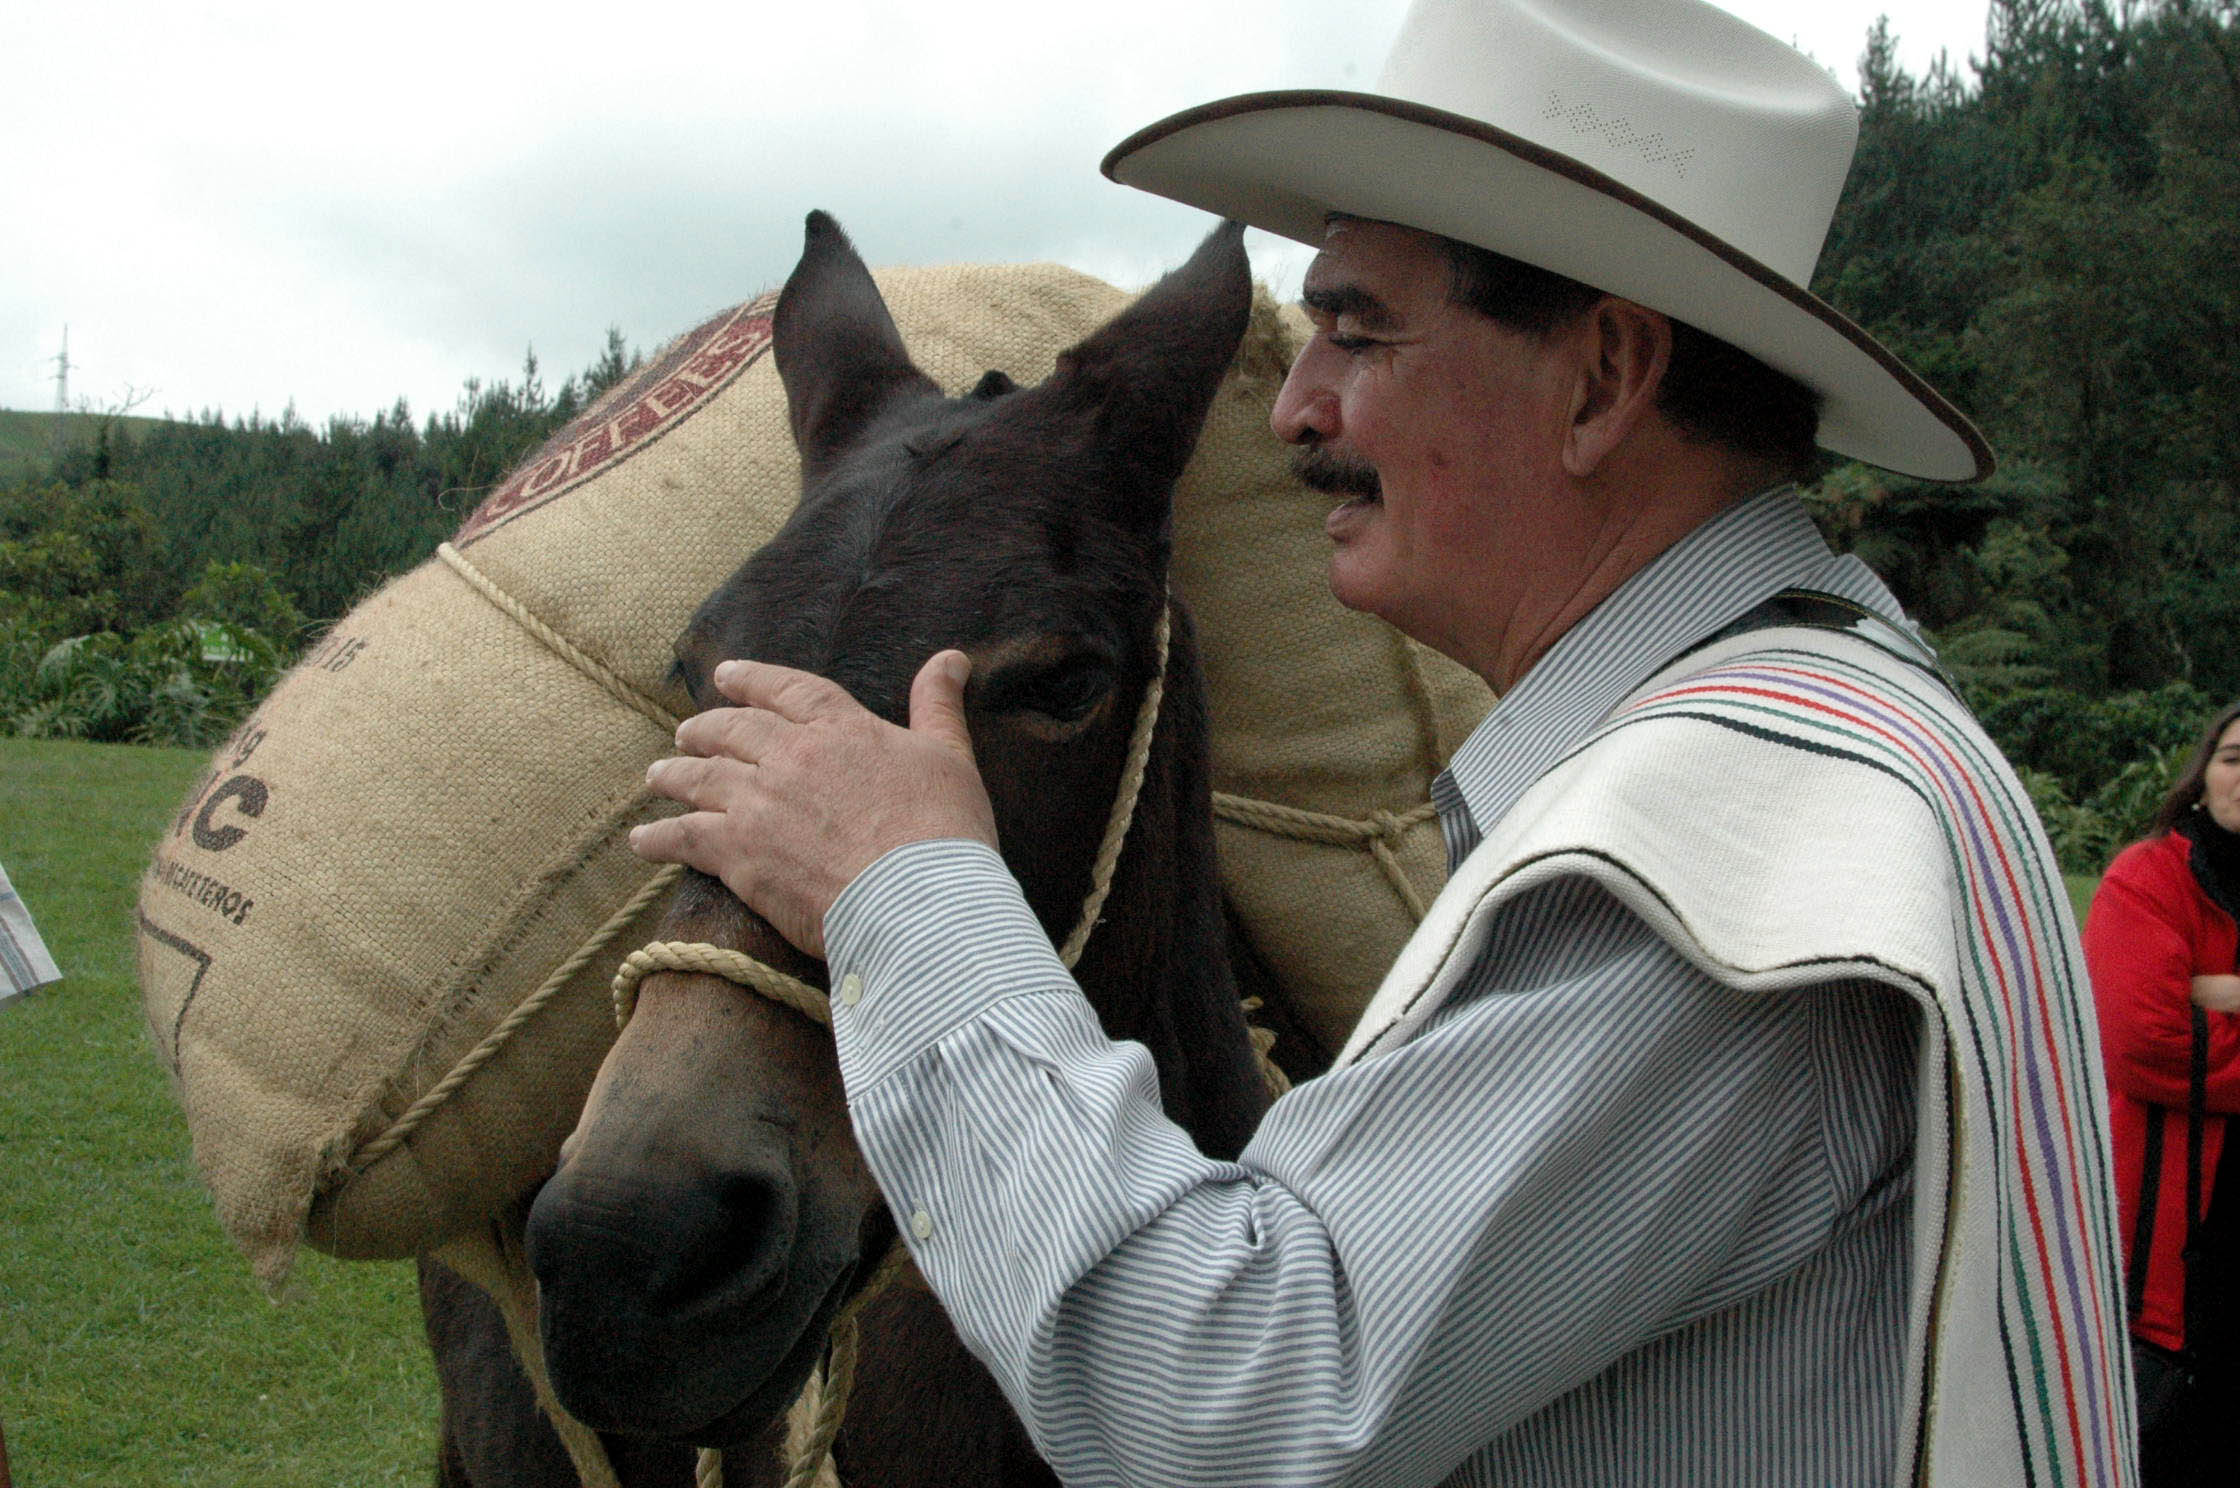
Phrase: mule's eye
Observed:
(1065, 692)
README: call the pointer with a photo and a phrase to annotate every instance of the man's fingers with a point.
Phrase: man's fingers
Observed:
(937, 700)
(689, 839)
(742, 733)
(794, 695)
(703, 784)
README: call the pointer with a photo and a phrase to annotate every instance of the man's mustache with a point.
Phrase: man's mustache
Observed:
(1336, 475)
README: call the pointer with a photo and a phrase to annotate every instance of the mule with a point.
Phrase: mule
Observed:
(711, 1213)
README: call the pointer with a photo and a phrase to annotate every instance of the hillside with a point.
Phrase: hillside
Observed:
(27, 439)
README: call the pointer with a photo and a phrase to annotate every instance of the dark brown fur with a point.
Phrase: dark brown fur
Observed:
(713, 1211)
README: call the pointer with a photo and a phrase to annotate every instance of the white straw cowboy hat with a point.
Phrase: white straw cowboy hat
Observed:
(1661, 150)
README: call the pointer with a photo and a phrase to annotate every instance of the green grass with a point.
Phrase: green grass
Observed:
(134, 1347)
(2081, 887)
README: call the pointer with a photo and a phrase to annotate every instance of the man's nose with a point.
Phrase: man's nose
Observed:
(1306, 409)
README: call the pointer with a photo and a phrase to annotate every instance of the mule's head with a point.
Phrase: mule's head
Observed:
(711, 1212)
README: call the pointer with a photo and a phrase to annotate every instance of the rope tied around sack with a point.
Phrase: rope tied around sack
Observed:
(663, 880)
(501, 1035)
(824, 1399)
(612, 682)
(1381, 832)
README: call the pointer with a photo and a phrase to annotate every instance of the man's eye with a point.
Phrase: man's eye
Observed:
(1349, 343)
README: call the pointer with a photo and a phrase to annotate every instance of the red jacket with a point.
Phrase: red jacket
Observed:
(2150, 932)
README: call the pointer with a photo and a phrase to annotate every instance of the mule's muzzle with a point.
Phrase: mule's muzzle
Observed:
(683, 1287)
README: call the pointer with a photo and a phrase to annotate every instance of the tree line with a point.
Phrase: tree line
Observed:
(2050, 233)
(159, 578)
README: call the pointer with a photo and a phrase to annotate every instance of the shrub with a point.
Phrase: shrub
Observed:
(2087, 743)
(183, 682)
(2088, 832)
(244, 596)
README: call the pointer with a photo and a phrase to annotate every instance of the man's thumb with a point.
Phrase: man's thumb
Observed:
(937, 700)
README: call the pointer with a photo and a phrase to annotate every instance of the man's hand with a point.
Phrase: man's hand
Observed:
(2218, 994)
(800, 788)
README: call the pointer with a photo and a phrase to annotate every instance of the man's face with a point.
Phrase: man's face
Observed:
(1442, 429)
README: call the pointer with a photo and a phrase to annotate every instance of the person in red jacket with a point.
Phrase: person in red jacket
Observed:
(2160, 944)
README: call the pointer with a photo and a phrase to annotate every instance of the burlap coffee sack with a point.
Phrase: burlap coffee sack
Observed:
(427, 816)
(424, 824)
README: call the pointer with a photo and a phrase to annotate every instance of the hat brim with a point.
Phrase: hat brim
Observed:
(1285, 161)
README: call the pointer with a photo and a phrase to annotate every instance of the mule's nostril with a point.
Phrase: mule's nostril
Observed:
(660, 1243)
(675, 1284)
(736, 1235)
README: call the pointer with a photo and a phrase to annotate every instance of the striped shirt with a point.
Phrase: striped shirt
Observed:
(1602, 1221)
(25, 962)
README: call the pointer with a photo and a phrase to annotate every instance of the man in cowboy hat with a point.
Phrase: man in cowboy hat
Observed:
(1734, 1116)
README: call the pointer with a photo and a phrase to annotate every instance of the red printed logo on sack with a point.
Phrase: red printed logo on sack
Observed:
(632, 414)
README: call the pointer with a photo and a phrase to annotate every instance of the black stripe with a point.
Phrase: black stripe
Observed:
(1977, 1039)
(1809, 746)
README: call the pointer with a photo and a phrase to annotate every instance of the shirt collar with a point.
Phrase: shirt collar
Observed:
(1741, 557)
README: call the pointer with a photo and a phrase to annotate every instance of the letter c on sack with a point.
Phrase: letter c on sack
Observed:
(249, 791)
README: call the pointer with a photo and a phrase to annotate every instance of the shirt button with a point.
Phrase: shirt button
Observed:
(851, 990)
(921, 1224)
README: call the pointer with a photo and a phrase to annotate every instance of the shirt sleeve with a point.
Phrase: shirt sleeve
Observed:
(1412, 1255)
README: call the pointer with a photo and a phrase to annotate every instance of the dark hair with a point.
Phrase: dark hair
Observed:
(1716, 392)
(2186, 794)
(1522, 296)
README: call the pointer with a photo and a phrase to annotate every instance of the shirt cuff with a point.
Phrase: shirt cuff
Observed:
(921, 942)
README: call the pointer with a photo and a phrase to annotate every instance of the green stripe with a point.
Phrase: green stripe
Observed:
(2052, 909)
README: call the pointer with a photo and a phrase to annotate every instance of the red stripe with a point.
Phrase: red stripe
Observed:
(2052, 1047)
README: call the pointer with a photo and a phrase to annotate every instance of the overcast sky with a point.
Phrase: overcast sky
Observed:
(232, 205)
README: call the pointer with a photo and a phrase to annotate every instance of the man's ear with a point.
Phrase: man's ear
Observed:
(1623, 351)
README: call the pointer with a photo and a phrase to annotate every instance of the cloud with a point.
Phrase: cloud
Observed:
(242, 204)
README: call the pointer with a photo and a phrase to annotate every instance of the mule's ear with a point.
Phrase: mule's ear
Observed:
(1150, 373)
(839, 355)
